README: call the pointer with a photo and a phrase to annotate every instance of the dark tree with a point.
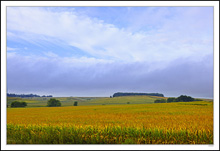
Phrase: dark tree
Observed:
(171, 100)
(53, 102)
(23, 104)
(184, 98)
(75, 103)
(160, 101)
(18, 104)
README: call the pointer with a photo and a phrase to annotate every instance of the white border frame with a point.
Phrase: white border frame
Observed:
(4, 4)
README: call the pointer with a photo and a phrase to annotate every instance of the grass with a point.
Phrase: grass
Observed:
(85, 101)
(159, 123)
(31, 101)
(125, 100)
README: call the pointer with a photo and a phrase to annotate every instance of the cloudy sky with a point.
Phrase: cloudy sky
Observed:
(97, 51)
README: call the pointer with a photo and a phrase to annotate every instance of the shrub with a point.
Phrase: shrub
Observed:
(171, 100)
(75, 103)
(160, 101)
(53, 102)
(18, 104)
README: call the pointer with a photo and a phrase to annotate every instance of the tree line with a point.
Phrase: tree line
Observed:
(181, 98)
(134, 94)
(26, 95)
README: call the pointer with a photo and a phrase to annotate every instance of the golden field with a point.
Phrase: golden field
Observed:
(159, 123)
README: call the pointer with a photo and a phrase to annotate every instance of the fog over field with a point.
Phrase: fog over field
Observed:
(97, 51)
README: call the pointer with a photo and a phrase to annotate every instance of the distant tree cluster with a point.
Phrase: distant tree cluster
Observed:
(53, 103)
(18, 104)
(46, 96)
(22, 95)
(26, 95)
(169, 100)
(182, 98)
(134, 94)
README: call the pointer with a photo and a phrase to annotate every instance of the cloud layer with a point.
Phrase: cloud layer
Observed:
(70, 78)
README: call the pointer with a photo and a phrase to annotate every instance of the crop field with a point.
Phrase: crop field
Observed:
(159, 123)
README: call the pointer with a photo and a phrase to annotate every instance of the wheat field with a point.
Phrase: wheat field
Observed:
(161, 123)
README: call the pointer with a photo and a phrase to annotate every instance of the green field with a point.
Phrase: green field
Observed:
(84, 101)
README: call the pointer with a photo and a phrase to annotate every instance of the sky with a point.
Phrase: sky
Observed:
(98, 51)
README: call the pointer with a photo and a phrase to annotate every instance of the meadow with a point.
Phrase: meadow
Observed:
(85, 101)
(113, 121)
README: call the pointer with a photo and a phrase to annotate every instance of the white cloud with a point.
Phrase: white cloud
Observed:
(11, 49)
(171, 40)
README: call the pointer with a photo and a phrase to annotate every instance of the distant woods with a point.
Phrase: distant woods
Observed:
(26, 95)
(182, 98)
(134, 94)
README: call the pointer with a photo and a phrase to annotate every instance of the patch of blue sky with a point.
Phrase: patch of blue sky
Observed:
(40, 47)
(135, 19)
(117, 16)
(110, 15)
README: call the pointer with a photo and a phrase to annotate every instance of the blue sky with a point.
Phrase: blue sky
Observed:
(97, 51)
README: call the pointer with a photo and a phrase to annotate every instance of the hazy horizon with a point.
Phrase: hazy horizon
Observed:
(108, 96)
(98, 51)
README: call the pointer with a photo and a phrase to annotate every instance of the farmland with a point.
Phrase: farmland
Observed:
(85, 101)
(112, 121)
